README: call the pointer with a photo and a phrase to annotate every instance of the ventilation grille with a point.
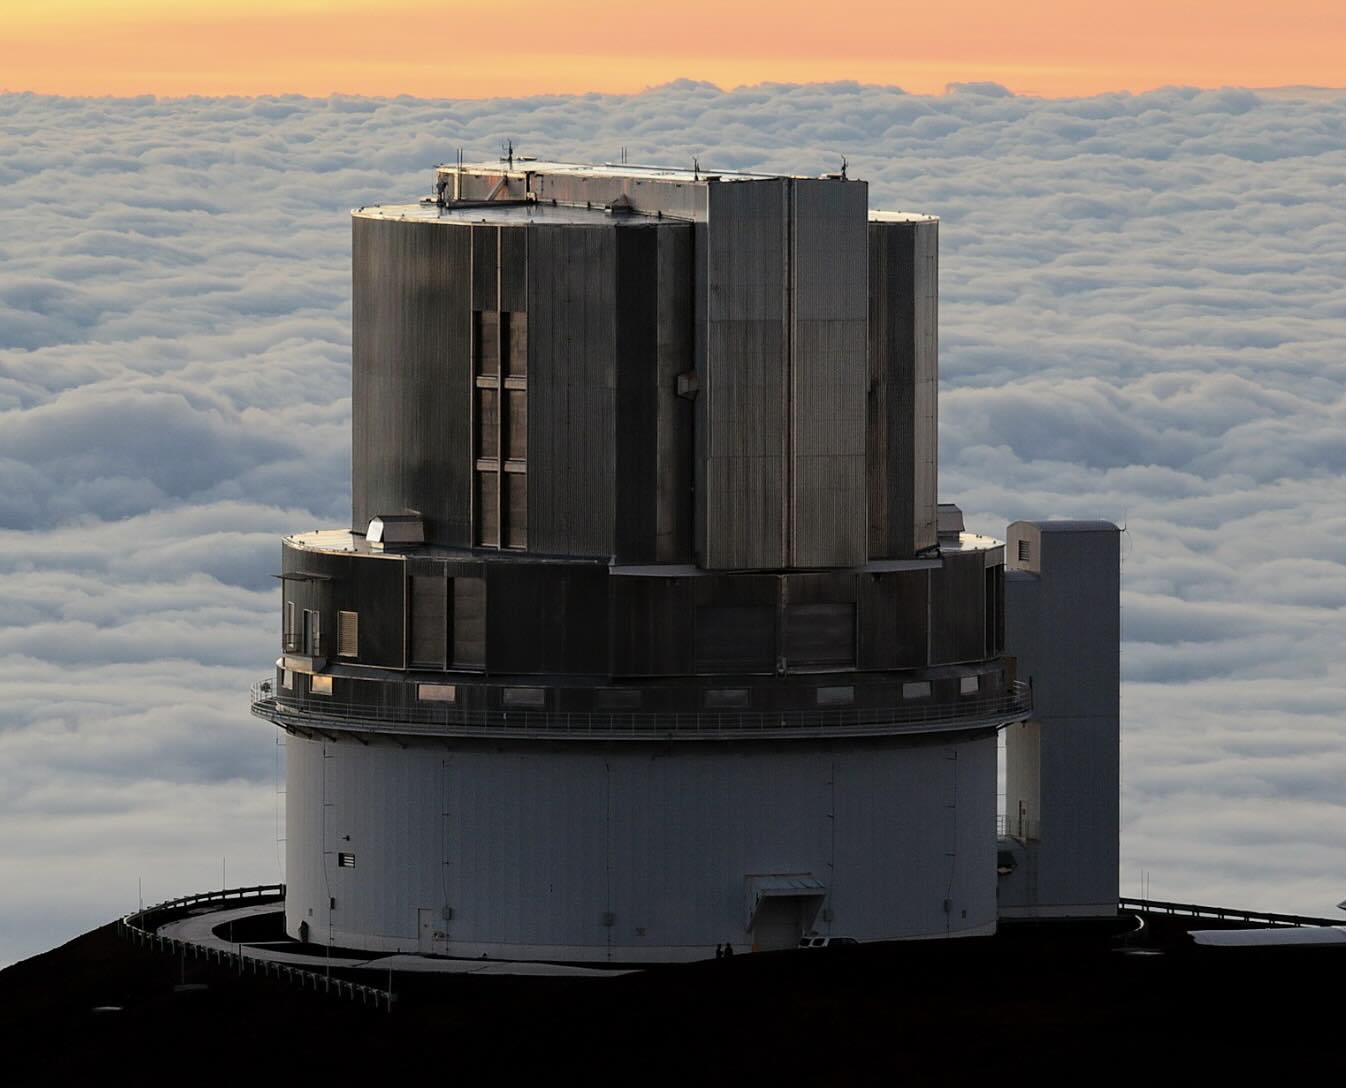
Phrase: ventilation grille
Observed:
(348, 634)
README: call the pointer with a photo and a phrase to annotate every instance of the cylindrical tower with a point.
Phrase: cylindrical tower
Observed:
(647, 634)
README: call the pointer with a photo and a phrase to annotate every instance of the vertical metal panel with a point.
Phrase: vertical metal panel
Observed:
(877, 607)
(469, 621)
(902, 424)
(571, 379)
(911, 617)
(488, 422)
(957, 607)
(514, 507)
(818, 620)
(925, 379)
(736, 623)
(411, 375)
(700, 414)
(828, 374)
(673, 425)
(995, 610)
(485, 267)
(514, 439)
(547, 618)
(651, 626)
(515, 360)
(486, 342)
(635, 426)
(745, 383)
(429, 619)
(514, 269)
(735, 638)
(819, 635)
(487, 509)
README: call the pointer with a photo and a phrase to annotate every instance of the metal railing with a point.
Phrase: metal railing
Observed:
(294, 642)
(1023, 828)
(1229, 914)
(138, 927)
(448, 719)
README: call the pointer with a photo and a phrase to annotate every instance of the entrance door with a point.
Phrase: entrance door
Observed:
(778, 923)
(425, 918)
(312, 633)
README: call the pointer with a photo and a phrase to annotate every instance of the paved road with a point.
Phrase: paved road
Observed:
(199, 929)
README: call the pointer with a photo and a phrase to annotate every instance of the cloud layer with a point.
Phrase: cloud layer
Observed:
(1144, 318)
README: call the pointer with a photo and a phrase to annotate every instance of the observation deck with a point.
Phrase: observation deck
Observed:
(446, 720)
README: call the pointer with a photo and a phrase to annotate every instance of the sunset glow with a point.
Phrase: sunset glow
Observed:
(455, 49)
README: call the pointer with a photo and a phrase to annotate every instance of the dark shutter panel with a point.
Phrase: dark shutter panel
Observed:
(429, 620)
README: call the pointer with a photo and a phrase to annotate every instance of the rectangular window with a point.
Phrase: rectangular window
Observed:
(969, 685)
(320, 685)
(1024, 551)
(287, 679)
(348, 634)
(726, 698)
(836, 696)
(918, 689)
(290, 639)
(345, 861)
(525, 697)
(437, 693)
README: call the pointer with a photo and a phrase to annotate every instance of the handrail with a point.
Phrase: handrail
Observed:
(445, 718)
(1196, 910)
(252, 891)
(132, 927)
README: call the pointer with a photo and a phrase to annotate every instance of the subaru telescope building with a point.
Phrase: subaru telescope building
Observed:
(648, 632)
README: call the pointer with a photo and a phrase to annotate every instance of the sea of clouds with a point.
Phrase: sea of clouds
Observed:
(1143, 318)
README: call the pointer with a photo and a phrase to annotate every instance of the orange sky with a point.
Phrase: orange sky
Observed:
(457, 49)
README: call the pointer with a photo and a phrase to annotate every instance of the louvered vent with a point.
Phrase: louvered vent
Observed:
(348, 634)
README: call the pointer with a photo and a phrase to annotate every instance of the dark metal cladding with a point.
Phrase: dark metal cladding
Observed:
(410, 377)
(485, 267)
(514, 269)
(547, 618)
(957, 609)
(673, 413)
(876, 607)
(536, 617)
(743, 404)
(371, 587)
(636, 410)
(572, 277)
(828, 376)
(911, 598)
(902, 440)
(651, 626)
